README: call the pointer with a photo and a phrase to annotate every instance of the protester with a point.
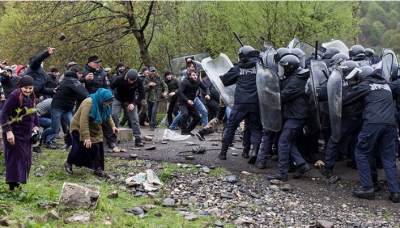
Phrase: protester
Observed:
(87, 135)
(16, 135)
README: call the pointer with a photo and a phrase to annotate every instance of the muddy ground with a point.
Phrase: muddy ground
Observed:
(312, 182)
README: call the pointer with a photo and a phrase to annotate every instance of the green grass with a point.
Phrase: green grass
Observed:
(18, 206)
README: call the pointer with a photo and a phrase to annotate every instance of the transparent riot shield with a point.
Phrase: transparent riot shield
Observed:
(305, 47)
(334, 87)
(215, 68)
(293, 42)
(270, 98)
(267, 56)
(319, 77)
(389, 64)
(337, 44)
(179, 62)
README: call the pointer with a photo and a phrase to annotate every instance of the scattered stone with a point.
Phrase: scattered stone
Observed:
(164, 142)
(232, 179)
(108, 223)
(227, 196)
(195, 183)
(122, 188)
(214, 144)
(197, 166)
(135, 148)
(138, 194)
(286, 187)
(212, 167)
(158, 214)
(80, 218)
(206, 169)
(188, 216)
(148, 138)
(168, 202)
(192, 199)
(204, 214)
(38, 174)
(134, 156)
(275, 182)
(324, 224)
(189, 157)
(218, 224)
(113, 195)
(245, 173)
(151, 194)
(179, 165)
(243, 204)
(76, 195)
(142, 216)
(136, 210)
(255, 195)
(54, 215)
(241, 221)
(43, 205)
(235, 154)
(150, 148)
(258, 202)
(149, 206)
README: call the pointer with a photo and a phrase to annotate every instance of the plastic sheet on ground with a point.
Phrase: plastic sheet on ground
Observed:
(149, 180)
(171, 135)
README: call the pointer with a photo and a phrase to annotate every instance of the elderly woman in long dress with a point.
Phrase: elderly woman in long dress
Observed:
(87, 136)
(17, 133)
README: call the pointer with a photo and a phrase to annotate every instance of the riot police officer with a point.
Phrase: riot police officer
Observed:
(246, 104)
(295, 112)
(379, 129)
(351, 121)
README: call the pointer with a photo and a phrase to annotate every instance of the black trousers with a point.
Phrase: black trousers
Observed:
(189, 110)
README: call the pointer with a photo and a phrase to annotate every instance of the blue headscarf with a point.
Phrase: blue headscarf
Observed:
(100, 96)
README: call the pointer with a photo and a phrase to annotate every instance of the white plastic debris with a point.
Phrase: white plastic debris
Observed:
(171, 135)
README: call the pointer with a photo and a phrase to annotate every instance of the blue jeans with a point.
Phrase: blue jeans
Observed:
(44, 122)
(56, 115)
(152, 113)
(200, 108)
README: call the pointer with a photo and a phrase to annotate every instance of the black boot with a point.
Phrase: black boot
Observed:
(254, 153)
(245, 152)
(327, 172)
(224, 150)
(365, 193)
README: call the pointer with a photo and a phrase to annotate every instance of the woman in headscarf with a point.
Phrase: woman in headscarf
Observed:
(17, 133)
(87, 135)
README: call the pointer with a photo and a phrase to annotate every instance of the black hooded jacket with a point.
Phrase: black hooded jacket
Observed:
(69, 91)
(100, 79)
(376, 95)
(244, 76)
(187, 90)
(295, 104)
(125, 92)
(35, 70)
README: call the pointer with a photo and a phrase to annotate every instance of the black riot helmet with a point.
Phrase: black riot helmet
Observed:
(330, 52)
(247, 52)
(369, 52)
(289, 63)
(339, 58)
(280, 53)
(301, 55)
(365, 71)
(357, 52)
(348, 67)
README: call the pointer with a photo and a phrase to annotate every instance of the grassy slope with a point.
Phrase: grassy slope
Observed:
(47, 188)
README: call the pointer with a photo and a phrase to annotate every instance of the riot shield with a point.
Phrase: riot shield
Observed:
(337, 44)
(269, 95)
(319, 77)
(334, 87)
(179, 62)
(305, 47)
(389, 64)
(293, 42)
(268, 56)
(215, 68)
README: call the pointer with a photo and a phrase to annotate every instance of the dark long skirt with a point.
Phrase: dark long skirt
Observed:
(18, 160)
(79, 155)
